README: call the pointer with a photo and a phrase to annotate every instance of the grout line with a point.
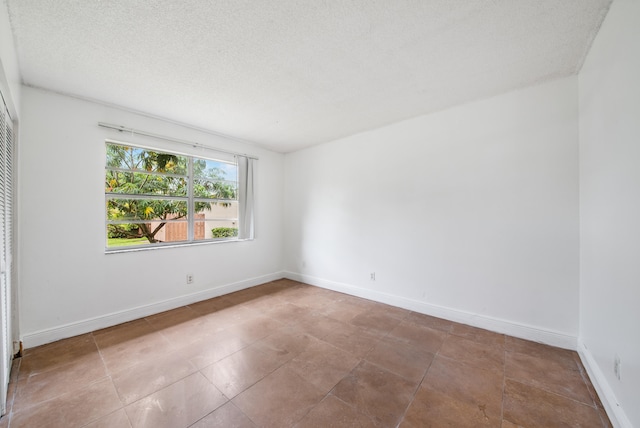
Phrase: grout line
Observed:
(252, 384)
(355, 409)
(587, 382)
(109, 414)
(424, 376)
(231, 403)
(10, 403)
(523, 382)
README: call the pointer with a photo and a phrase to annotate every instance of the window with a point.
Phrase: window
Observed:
(156, 198)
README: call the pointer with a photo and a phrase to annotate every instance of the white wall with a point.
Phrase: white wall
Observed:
(610, 209)
(68, 284)
(9, 71)
(470, 213)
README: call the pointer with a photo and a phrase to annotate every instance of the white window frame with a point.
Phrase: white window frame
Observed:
(190, 199)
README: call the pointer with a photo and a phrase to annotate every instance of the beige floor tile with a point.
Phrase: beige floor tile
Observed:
(313, 302)
(295, 292)
(240, 370)
(263, 304)
(122, 355)
(212, 349)
(375, 321)
(533, 407)
(379, 394)
(226, 416)
(562, 357)
(435, 409)
(425, 338)
(357, 301)
(355, 340)
(285, 346)
(232, 316)
(334, 413)
(286, 313)
(408, 361)
(210, 306)
(129, 344)
(172, 318)
(255, 328)
(323, 365)
(178, 405)
(12, 388)
(479, 335)
(185, 335)
(277, 286)
(38, 386)
(342, 311)
(123, 333)
(279, 400)
(74, 409)
(394, 312)
(138, 381)
(424, 320)
(244, 296)
(481, 355)
(183, 326)
(549, 375)
(318, 325)
(118, 419)
(481, 389)
(507, 424)
(52, 355)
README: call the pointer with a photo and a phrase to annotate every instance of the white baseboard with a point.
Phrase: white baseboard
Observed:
(616, 413)
(42, 337)
(523, 331)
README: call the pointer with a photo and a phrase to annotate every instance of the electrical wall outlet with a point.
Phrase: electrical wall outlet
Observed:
(617, 366)
(373, 276)
(189, 278)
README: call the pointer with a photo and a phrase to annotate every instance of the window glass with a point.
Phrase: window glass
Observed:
(155, 198)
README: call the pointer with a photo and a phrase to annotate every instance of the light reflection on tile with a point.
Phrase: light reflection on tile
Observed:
(178, 405)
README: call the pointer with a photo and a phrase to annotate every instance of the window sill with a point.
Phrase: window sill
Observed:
(164, 246)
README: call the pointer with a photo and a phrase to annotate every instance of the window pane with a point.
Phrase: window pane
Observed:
(153, 232)
(139, 183)
(169, 232)
(214, 170)
(134, 158)
(217, 210)
(216, 220)
(215, 229)
(214, 179)
(203, 188)
(125, 235)
(145, 209)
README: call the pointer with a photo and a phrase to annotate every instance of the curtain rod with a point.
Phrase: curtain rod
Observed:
(173, 140)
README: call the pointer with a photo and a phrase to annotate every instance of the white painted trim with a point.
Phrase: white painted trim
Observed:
(41, 337)
(616, 413)
(523, 331)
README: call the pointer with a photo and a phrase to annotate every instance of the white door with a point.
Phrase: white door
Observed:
(6, 251)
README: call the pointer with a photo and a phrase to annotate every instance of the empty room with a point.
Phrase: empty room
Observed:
(338, 213)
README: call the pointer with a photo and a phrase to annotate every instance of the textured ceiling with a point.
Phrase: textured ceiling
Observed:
(288, 74)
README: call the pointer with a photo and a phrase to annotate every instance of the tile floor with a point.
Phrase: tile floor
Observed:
(286, 354)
